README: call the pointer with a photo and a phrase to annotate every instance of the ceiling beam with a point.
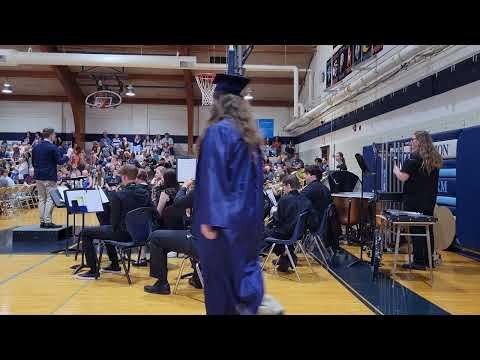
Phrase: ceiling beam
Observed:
(74, 95)
(39, 74)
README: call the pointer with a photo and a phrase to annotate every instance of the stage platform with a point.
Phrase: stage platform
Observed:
(33, 239)
(36, 233)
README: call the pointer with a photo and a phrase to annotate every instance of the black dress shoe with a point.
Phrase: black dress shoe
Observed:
(158, 288)
(195, 282)
(141, 263)
(42, 225)
(414, 266)
(51, 226)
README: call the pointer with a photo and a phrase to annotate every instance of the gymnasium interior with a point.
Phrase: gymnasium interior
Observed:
(310, 103)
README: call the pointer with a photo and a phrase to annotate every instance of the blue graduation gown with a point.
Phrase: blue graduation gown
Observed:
(229, 197)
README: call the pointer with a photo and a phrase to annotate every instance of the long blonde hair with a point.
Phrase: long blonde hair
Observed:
(228, 105)
(431, 158)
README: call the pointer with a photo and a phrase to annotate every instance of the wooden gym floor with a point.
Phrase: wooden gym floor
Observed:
(43, 284)
(456, 282)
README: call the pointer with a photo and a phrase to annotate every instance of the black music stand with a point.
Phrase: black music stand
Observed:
(365, 171)
(59, 203)
(74, 209)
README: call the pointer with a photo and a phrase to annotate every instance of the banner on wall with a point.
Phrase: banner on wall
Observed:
(266, 127)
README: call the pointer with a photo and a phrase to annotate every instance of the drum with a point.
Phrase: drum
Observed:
(444, 230)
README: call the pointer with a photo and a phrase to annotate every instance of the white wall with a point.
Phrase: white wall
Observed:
(454, 109)
(20, 116)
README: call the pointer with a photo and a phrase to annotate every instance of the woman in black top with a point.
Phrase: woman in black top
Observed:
(420, 177)
(341, 161)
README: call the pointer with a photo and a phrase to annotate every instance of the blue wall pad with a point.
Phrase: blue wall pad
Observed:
(447, 187)
(448, 173)
(468, 189)
(447, 201)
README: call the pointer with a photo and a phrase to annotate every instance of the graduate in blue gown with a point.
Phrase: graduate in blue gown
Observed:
(228, 221)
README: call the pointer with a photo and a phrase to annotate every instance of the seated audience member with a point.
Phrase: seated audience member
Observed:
(316, 192)
(28, 139)
(285, 219)
(105, 140)
(76, 157)
(290, 149)
(121, 203)
(133, 161)
(164, 241)
(296, 162)
(266, 148)
(148, 143)
(106, 152)
(167, 144)
(137, 144)
(87, 183)
(341, 161)
(15, 152)
(5, 180)
(276, 147)
(113, 181)
(116, 143)
(3, 152)
(23, 169)
(125, 146)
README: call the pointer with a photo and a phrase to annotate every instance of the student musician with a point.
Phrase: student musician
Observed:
(121, 202)
(285, 219)
(316, 192)
(420, 177)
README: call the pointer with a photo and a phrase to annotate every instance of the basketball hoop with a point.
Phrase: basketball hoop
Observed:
(207, 87)
(104, 99)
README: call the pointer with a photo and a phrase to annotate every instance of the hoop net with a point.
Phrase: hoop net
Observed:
(207, 87)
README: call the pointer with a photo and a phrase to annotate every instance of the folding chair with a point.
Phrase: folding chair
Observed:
(316, 241)
(139, 226)
(298, 233)
(182, 267)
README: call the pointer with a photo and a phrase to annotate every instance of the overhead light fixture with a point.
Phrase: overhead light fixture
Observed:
(130, 91)
(249, 96)
(7, 88)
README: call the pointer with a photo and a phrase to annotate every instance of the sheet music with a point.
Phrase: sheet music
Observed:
(103, 196)
(89, 200)
(61, 189)
(93, 201)
(78, 195)
(271, 197)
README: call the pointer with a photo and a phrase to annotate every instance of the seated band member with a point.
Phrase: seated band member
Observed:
(164, 241)
(420, 174)
(130, 198)
(285, 219)
(297, 163)
(316, 192)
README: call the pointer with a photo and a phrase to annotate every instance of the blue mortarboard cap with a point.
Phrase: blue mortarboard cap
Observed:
(231, 84)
